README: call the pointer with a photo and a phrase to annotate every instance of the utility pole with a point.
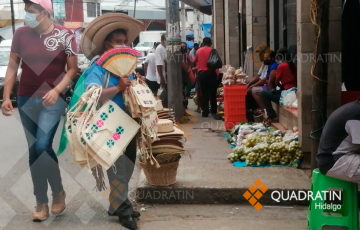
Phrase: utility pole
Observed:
(135, 8)
(319, 72)
(12, 16)
(173, 41)
(183, 22)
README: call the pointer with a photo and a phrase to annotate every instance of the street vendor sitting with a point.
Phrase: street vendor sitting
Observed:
(104, 33)
(339, 153)
(265, 81)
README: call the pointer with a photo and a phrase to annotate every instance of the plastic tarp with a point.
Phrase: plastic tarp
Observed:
(206, 28)
(190, 44)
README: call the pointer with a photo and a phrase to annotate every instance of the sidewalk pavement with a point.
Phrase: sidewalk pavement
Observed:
(208, 177)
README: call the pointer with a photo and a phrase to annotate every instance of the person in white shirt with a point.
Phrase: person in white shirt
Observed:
(193, 51)
(150, 71)
(160, 54)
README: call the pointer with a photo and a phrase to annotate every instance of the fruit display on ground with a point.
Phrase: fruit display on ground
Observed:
(259, 145)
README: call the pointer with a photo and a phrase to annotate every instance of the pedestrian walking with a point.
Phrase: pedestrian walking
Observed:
(118, 30)
(207, 79)
(150, 71)
(161, 65)
(186, 68)
(44, 49)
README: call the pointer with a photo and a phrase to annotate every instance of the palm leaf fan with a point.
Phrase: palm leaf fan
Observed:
(119, 61)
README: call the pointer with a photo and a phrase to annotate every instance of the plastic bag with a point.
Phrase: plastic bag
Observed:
(288, 97)
(295, 104)
(214, 61)
(162, 94)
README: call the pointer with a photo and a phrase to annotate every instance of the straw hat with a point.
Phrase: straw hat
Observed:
(92, 42)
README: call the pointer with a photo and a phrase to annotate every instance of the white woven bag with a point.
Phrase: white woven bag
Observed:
(109, 133)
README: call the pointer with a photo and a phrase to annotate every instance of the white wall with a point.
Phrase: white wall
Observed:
(86, 18)
(18, 9)
(199, 19)
(189, 18)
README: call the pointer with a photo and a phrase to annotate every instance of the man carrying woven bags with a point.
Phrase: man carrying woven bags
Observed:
(105, 33)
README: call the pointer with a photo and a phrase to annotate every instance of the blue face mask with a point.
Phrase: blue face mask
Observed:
(30, 20)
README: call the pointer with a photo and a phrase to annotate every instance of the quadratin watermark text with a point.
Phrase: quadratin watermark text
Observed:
(324, 196)
(164, 195)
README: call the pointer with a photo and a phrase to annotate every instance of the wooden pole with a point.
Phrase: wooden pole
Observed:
(319, 72)
(12, 16)
(173, 41)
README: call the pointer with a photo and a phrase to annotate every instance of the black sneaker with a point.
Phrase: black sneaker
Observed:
(217, 117)
(128, 222)
(134, 215)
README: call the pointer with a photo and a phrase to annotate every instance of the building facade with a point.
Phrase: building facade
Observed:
(243, 29)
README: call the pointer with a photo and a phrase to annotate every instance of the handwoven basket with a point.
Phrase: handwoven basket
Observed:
(163, 176)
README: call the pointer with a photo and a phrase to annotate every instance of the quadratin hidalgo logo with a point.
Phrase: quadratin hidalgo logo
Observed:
(258, 55)
(254, 193)
(187, 123)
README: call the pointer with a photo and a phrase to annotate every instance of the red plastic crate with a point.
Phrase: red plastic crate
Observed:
(235, 90)
(234, 105)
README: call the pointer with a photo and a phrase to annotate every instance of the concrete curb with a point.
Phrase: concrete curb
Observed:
(177, 194)
(171, 195)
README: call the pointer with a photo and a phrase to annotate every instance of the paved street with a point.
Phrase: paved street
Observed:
(86, 209)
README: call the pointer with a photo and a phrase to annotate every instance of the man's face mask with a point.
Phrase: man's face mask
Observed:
(30, 19)
(117, 45)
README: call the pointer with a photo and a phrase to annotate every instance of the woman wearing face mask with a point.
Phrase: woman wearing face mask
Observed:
(44, 50)
(285, 79)
(186, 67)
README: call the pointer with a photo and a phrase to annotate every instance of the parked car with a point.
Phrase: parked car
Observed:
(5, 49)
(140, 63)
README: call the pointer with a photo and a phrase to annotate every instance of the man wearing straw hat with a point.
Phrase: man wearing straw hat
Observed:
(104, 33)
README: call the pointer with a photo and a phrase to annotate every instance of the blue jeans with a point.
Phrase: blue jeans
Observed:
(40, 124)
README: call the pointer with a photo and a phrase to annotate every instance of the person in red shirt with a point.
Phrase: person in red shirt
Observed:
(285, 79)
(207, 78)
(44, 50)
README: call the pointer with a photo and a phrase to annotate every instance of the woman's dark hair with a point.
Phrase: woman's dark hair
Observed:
(284, 54)
(163, 37)
(184, 44)
(36, 6)
(207, 41)
(272, 54)
(117, 31)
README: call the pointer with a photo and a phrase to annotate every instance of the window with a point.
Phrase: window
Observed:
(93, 9)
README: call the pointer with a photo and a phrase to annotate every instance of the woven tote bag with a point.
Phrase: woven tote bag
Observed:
(109, 133)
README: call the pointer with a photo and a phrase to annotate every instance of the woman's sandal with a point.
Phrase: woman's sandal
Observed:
(198, 110)
(259, 112)
(268, 121)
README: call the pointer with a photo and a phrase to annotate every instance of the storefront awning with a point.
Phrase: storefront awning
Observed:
(204, 6)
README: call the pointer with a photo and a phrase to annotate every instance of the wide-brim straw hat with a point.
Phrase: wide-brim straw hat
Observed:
(92, 42)
(177, 133)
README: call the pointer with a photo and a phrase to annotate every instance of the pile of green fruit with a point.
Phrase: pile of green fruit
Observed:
(262, 149)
